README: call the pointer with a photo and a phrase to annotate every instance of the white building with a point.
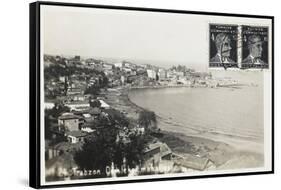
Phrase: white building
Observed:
(180, 74)
(162, 73)
(122, 79)
(91, 63)
(151, 74)
(69, 122)
(62, 78)
(104, 105)
(127, 70)
(118, 65)
(49, 105)
(107, 66)
(78, 105)
(76, 136)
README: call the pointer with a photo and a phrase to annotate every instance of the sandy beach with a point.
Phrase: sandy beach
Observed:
(225, 151)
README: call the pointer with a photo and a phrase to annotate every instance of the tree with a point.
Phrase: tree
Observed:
(134, 150)
(148, 120)
(95, 103)
(51, 116)
(117, 118)
(93, 90)
(112, 142)
(157, 77)
(119, 153)
(57, 110)
(97, 151)
(102, 148)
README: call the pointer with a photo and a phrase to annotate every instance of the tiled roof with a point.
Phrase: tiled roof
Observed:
(94, 111)
(76, 133)
(164, 149)
(69, 116)
(193, 162)
(78, 103)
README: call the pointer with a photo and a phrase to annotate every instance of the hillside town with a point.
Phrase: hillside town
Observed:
(92, 129)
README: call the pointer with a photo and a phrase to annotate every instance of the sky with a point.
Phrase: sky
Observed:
(163, 39)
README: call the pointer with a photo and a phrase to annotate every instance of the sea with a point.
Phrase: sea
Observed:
(236, 112)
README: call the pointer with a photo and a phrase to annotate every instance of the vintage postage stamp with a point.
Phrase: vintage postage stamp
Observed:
(254, 47)
(223, 45)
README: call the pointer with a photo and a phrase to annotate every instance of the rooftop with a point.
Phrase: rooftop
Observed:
(67, 116)
(78, 103)
(90, 124)
(103, 104)
(94, 111)
(164, 148)
(76, 133)
(193, 162)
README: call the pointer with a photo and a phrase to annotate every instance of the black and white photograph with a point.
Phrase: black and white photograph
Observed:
(141, 95)
(255, 47)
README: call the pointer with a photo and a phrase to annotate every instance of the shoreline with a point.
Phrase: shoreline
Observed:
(227, 152)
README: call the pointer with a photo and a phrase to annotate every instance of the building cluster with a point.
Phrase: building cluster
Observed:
(125, 73)
(80, 86)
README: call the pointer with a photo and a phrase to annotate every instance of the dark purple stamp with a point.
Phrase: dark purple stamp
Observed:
(223, 45)
(254, 47)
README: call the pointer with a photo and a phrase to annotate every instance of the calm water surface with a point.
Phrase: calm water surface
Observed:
(237, 112)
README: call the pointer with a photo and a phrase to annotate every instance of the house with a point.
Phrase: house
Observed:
(49, 105)
(166, 166)
(69, 122)
(162, 73)
(104, 104)
(151, 150)
(78, 105)
(132, 78)
(108, 72)
(77, 97)
(90, 113)
(122, 78)
(183, 81)
(94, 111)
(90, 62)
(127, 64)
(191, 162)
(165, 152)
(75, 136)
(88, 127)
(179, 74)
(127, 70)
(107, 66)
(140, 71)
(62, 78)
(151, 74)
(75, 91)
(118, 64)
(139, 130)
(155, 152)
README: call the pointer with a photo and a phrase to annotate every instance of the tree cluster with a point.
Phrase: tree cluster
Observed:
(103, 148)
